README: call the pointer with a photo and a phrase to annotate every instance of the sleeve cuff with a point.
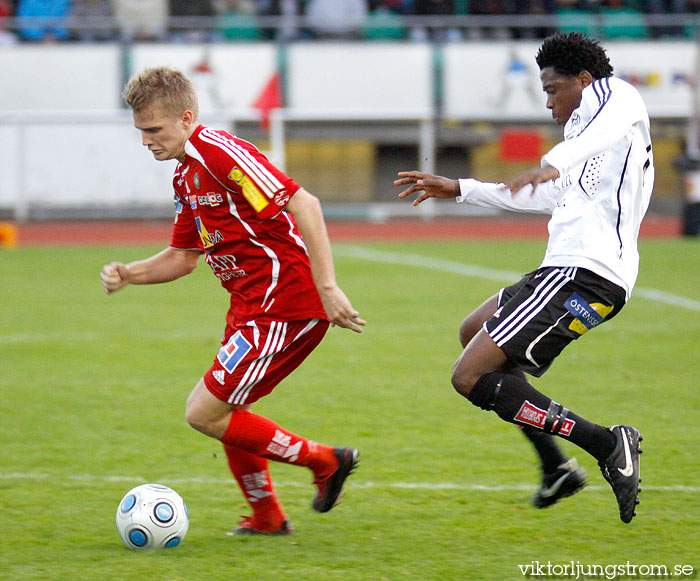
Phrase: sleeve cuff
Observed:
(466, 185)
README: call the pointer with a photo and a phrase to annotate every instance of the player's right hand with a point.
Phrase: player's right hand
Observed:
(431, 185)
(339, 310)
(114, 276)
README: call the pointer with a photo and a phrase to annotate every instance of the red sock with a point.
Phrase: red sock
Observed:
(253, 477)
(263, 437)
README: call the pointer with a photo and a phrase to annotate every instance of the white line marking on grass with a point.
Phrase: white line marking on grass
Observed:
(668, 298)
(427, 262)
(386, 257)
(39, 337)
(473, 487)
(487, 273)
(175, 335)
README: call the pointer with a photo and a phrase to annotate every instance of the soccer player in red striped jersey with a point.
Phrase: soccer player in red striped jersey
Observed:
(265, 239)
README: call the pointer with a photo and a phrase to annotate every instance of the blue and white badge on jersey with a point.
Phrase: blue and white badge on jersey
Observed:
(580, 309)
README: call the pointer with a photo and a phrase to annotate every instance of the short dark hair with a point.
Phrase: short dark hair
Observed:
(571, 53)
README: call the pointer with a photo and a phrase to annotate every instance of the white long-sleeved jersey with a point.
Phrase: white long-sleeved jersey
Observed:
(606, 171)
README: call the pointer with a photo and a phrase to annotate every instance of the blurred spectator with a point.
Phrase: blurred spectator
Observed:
(398, 6)
(383, 22)
(92, 20)
(485, 7)
(622, 21)
(236, 21)
(52, 29)
(435, 8)
(185, 8)
(141, 19)
(6, 36)
(336, 19)
(198, 29)
(289, 10)
(576, 16)
(536, 8)
(518, 84)
(667, 7)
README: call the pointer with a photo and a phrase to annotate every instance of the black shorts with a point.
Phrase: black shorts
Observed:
(547, 309)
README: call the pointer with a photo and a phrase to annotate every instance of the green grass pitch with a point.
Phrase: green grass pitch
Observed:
(92, 394)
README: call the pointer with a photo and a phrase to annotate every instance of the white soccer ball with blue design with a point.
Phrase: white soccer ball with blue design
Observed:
(152, 516)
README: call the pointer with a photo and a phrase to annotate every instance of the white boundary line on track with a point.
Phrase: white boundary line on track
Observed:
(486, 273)
(473, 487)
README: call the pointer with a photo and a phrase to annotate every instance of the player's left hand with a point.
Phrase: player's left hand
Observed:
(534, 177)
(339, 310)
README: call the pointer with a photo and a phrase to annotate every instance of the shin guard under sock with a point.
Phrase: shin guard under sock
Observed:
(546, 447)
(516, 401)
(263, 437)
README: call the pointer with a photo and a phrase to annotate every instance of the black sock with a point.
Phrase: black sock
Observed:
(551, 456)
(516, 401)
(548, 451)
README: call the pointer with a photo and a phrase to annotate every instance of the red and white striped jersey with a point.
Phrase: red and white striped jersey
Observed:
(230, 204)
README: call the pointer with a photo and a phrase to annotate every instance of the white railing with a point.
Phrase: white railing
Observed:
(91, 160)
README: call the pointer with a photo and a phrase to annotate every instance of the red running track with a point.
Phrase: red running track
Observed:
(62, 233)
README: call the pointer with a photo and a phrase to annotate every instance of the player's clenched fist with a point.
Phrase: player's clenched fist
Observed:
(114, 276)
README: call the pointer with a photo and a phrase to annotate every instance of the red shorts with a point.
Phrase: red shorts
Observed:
(256, 356)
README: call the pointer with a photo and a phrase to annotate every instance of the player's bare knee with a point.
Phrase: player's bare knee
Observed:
(463, 381)
(203, 422)
(195, 418)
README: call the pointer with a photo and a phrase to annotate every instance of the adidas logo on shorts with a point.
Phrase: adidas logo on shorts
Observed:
(219, 375)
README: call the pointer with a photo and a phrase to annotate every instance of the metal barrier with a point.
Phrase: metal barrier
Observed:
(43, 160)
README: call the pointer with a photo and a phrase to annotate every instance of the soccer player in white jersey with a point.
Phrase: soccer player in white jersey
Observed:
(596, 185)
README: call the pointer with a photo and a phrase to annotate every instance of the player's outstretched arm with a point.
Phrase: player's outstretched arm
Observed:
(165, 266)
(307, 212)
(430, 185)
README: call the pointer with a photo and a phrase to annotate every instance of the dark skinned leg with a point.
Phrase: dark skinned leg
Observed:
(478, 376)
(545, 445)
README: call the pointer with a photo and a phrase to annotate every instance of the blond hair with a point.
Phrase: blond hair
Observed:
(161, 86)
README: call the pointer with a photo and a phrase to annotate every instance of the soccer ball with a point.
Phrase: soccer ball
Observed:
(152, 516)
